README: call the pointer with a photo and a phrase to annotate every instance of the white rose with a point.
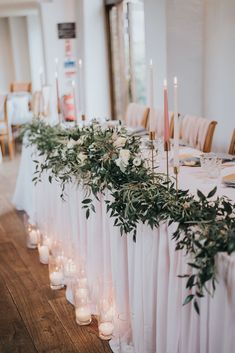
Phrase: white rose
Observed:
(82, 156)
(120, 142)
(71, 143)
(124, 155)
(137, 161)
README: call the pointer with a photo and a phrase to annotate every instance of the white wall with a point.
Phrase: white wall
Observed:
(156, 45)
(6, 63)
(185, 44)
(220, 69)
(20, 50)
(35, 49)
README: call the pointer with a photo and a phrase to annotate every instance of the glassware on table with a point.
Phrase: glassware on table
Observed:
(106, 310)
(211, 165)
(56, 272)
(81, 300)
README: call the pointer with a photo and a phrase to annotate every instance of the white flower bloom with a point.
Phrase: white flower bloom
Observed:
(71, 143)
(124, 155)
(82, 156)
(123, 160)
(137, 161)
(119, 142)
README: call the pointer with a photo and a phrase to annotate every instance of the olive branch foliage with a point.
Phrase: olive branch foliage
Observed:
(88, 156)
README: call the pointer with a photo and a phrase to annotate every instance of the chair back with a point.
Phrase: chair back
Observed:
(3, 108)
(232, 144)
(137, 115)
(197, 132)
(158, 122)
(21, 87)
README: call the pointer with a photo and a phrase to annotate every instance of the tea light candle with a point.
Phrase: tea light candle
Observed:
(83, 282)
(106, 329)
(81, 293)
(83, 315)
(56, 278)
(33, 237)
(69, 268)
(43, 254)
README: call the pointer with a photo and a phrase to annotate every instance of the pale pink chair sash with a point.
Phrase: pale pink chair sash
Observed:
(194, 130)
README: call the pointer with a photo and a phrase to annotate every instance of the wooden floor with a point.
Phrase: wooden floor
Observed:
(33, 318)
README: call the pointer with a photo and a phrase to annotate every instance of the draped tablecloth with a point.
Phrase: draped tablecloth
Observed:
(148, 293)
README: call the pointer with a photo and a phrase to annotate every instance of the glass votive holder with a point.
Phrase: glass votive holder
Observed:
(70, 269)
(56, 272)
(82, 310)
(105, 319)
(33, 237)
(44, 249)
(211, 165)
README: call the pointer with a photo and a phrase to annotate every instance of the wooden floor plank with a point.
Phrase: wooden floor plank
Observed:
(14, 337)
(40, 320)
(85, 337)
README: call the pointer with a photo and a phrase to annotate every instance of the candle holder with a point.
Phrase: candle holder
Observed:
(81, 300)
(44, 249)
(33, 236)
(149, 151)
(56, 272)
(167, 148)
(176, 172)
(70, 269)
(106, 319)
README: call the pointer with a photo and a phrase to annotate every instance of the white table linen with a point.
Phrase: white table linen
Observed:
(144, 274)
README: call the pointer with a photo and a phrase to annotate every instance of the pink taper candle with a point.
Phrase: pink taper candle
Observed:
(166, 119)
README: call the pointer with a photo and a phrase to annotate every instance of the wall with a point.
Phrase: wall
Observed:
(35, 49)
(220, 68)
(6, 62)
(156, 45)
(185, 44)
(20, 50)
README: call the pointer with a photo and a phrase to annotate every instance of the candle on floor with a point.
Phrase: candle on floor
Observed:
(106, 330)
(176, 124)
(43, 251)
(83, 315)
(81, 293)
(32, 239)
(69, 268)
(151, 97)
(166, 119)
(83, 282)
(56, 279)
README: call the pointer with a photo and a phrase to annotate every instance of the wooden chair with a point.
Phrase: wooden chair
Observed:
(232, 144)
(137, 115)
(197, 132)
(5, 129)
(158, 122)
(21, 87)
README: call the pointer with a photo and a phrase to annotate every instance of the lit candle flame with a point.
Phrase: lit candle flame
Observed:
(175, 81)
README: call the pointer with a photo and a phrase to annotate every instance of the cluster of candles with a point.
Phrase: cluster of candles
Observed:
(166, 114)
(63, 271)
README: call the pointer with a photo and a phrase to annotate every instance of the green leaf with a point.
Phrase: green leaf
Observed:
(86, 201)
(188, 299)
(190, 281)
(196, 306)
(50, 178)
(201, 196)
(87, 213)
(212, 192)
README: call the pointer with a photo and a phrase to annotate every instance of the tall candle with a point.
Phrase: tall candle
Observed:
(75, 102)
(41, 76)
(43, 254)
(176, 124)
(56, 278)
(166, 119)
(151, 95)
(80, 85)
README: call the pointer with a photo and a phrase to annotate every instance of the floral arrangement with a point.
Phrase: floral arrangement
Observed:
(103, 158)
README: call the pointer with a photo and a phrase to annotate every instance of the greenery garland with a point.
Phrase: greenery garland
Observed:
(102, 158)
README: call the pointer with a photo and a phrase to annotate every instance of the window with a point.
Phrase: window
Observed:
(127, 54)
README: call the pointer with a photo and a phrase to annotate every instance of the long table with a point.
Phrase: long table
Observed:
(148, 293)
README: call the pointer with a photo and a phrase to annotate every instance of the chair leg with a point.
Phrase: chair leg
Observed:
(11, 148)
(3, 147)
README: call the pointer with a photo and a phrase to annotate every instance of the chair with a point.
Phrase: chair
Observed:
(232, 144)
(137, 115)
(21, 87)
(5, 129)
(197, 132)
(158, 122)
